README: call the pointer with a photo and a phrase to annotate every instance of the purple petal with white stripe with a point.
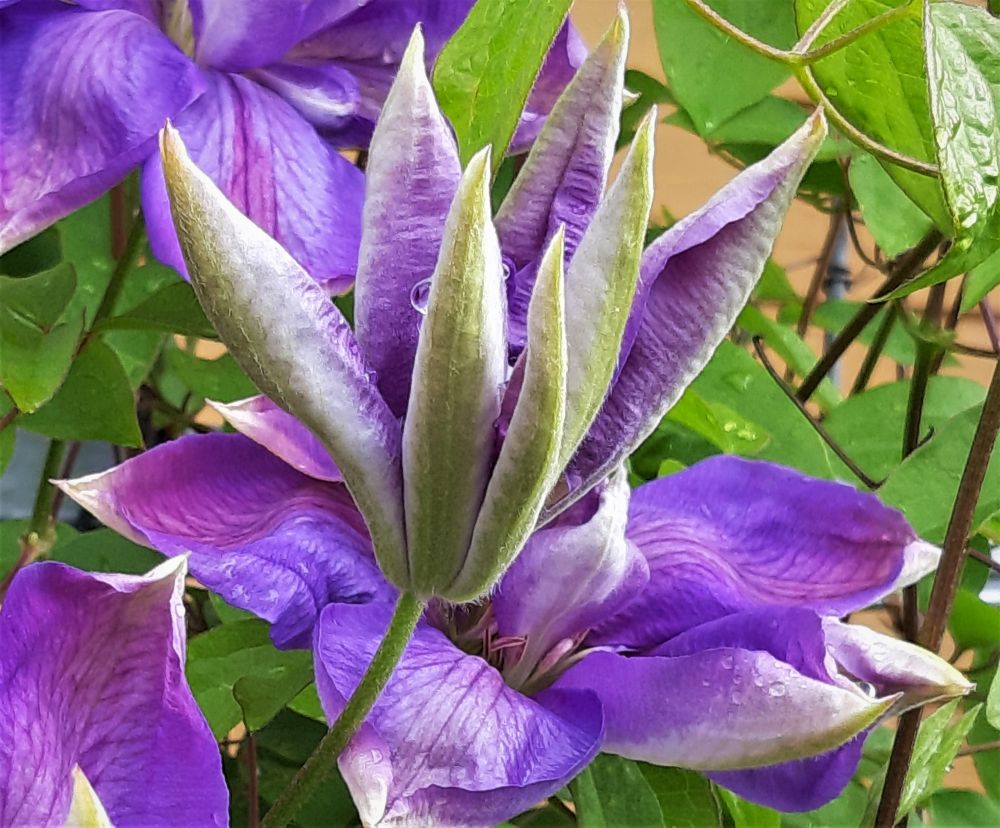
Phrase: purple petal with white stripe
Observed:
(440, 720)
(266, 538)
(92, 683)
(730, 534)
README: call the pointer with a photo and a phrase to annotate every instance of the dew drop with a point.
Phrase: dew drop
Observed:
(726, 662)
(508, 268)
(419, 295)
(777, 689)
(868, 689)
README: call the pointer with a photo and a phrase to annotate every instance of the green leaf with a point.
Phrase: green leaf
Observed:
(937, 744)
(735, 380)
(484, 73)
(963, 65)
(687, 799)
(35, 353)
(791, 348)
(242, 654)
(774, 285)
(171, 309)
(719, 424)
(748, 814)
(712, 76)
(993, 704)
(85, 235)
(894, 221)
(981, 280)
(924, 486)
(103, 550)
(219, 379)
(282, 748)
(973, 622)
(94, 402)
(7, 440)
(613, 791)
(879, 83)
(987, 761)
(963, 809)
(650, 92)
(871, 424)
(41, 252)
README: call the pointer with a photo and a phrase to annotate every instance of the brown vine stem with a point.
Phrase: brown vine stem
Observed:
(902, 270)
(825, 435)
(953, 557)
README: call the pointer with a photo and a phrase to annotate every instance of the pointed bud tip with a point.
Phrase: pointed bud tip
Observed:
(412, 63)
(816, 127)
(618, 32)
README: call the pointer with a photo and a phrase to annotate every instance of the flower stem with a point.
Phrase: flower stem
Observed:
(953, 556)
(404, 619)
(123, 266)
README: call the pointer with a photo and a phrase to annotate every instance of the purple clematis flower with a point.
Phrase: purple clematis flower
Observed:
(263, 92)
(97, 724)
(691, 623)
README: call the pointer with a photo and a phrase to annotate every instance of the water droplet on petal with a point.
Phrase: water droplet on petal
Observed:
(777, 689)
(508, 268)
(419, 295)
(868, 689)
(726, 662)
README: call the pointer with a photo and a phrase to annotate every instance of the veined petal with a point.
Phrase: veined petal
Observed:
(563, 177)
(458, 377)
(601, 284)
(269, 161)
(529, 457)
(730, 534)
(82, 97)
(893, 666)
(369, 42)
(294, 343)
(281, 434)
(412, 176)
(324, 94)
(463, 748)
(92, 677)
(764, 695)
(266, 538)
(235, 35)
(695, 280)
(572, 574)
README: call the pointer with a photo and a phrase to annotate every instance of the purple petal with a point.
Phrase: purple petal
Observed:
(281, 434)
(802, 785)
(695, 280)
(463, 748)
(892, 666)
(563, 178)
(730, 534)
(324, 94)
(274, 167)
(567, 53)
(92, 675)
(741, 692)
(266, 538)
(235, 35)
(369, 43)
(413, 173)
(82, 97)
(572, 574)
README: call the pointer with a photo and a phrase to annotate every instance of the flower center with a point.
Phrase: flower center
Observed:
(474, 630)
(178, 25)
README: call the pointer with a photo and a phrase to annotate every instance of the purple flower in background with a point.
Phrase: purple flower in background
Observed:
(263, 92)
(97, 724)
(691, 623)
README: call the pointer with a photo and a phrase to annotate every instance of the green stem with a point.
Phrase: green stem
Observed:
(709, 14)
(41, 515)
(317, 767)
(837, 43)
(122, 268)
